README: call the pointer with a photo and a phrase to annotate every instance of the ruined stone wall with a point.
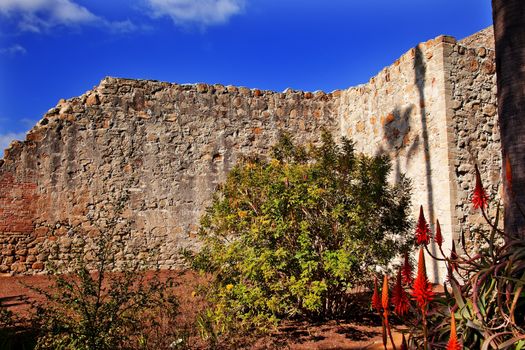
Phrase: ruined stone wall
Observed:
(138, 160)
(484, 38)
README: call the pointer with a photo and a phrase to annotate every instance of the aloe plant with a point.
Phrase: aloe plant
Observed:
(485, 290)
(484, 295)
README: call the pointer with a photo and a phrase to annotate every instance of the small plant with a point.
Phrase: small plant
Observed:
(98, 310)
(290, 237)
(105, 303)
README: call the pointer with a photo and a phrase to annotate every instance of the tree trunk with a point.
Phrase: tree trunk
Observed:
(509, 33)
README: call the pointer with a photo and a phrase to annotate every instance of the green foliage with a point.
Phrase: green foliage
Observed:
(290, 237)
(97, 310)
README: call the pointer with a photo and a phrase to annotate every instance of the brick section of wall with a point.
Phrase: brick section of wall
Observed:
(17, 205)
(17, 213)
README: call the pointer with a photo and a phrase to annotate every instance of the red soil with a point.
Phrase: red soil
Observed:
(359, 334)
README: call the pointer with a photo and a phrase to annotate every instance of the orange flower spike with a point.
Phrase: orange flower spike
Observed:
(376, 303)
(422, 229)
(397, 288)
(384, 295)
(422, 289)
(479, 198)
(453, 342)
(400, 297)
(406, 272)
(439, 237)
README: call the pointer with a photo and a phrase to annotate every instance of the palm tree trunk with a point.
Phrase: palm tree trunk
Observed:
(509, 32)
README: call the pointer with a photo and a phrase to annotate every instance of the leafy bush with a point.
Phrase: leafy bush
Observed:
(290, 237)
(97, 310)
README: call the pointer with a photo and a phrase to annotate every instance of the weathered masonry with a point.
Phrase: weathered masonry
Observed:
(140, 159)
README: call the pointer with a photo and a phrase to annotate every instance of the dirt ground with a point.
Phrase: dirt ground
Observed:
(362, 333)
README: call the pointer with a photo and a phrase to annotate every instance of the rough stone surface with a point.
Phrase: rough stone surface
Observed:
(484, 38)
(474, 131)
(145, 152)
(434, 113)
(139, 160)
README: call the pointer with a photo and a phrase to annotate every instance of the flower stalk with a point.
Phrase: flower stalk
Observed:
(453, 342)
(385, 304)
(422, 293)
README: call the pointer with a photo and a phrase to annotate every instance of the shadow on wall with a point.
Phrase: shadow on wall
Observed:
(420, 79)
(396, 131)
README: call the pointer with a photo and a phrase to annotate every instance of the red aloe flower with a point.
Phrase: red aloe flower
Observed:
(406, 271)
(479, 198)
(376, 303)
(400, 297)
(422, 289)
(384, 294)
(439, 237)
(453, 343)
(422, 229)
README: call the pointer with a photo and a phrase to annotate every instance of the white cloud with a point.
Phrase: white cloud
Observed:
(6, 139)
(13, 50)
(41, 15)
(202, 12)
(38, 15)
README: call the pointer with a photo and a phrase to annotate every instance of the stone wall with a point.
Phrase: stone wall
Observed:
(139, 160)
(483, 38)
(471, 76)
(146, 153)
(434, 113)
(401, 112)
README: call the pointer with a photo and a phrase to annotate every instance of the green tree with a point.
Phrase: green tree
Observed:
(291, 236)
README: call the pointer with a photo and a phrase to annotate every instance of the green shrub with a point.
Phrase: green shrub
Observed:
(290, 237)
(97, 310)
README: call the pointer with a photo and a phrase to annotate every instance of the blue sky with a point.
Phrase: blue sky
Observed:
(53, 49)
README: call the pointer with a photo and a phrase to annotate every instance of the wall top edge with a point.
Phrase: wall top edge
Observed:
(110, 85)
